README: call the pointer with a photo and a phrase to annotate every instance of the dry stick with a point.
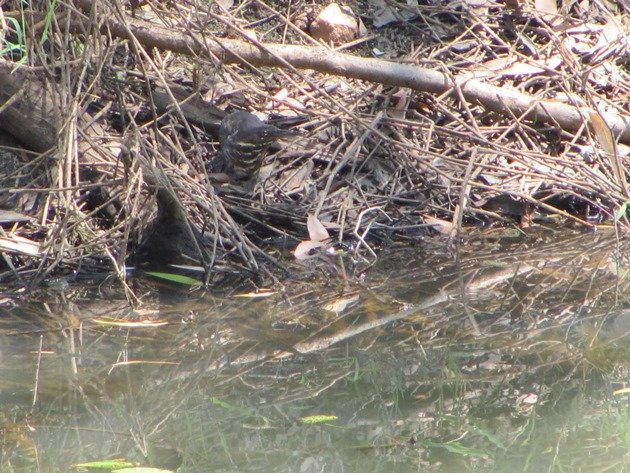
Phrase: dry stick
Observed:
(497, 99)
(37, 370)
(246, 244)
(523, 196)
(361, 237)
(215, 207)
(537, 106)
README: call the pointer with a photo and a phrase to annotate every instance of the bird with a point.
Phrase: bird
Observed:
(171, 237)
(244, 139)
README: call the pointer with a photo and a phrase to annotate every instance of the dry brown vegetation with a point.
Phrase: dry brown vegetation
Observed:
(467, 114)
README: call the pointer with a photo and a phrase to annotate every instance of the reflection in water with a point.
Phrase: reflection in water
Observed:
(222, 383)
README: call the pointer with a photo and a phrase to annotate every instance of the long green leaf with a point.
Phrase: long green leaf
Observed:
(178, 278)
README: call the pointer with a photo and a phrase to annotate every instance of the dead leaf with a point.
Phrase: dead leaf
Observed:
(441, 226)
(363, 31)
(489, 68)
(318, 238)
(383, 16)
(335, 24)
(546, 6)
(571, 98)
(282, 94)
(316, 231)
(607, 142)
(532, 67)
(9, 216)
(307, 249)
(295, 183)
(226, 4)
(508, 67)
(295, 104)
(602, 132)
(401, 99)
(479, 7)
(385, 13)
(605, 75)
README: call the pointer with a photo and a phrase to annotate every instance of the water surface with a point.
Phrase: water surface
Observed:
(504, 355)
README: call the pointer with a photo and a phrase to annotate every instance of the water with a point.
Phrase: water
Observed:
(504, 357)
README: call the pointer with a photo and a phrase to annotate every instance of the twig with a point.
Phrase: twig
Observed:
(361, 237)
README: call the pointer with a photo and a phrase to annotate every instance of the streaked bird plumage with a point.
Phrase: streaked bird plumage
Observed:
(244, 139)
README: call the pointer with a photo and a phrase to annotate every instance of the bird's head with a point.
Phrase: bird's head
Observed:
(264, 135)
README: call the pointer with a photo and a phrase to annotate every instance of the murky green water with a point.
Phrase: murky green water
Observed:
(503, 358)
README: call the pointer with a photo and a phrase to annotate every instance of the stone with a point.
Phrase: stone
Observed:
(335, 25)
